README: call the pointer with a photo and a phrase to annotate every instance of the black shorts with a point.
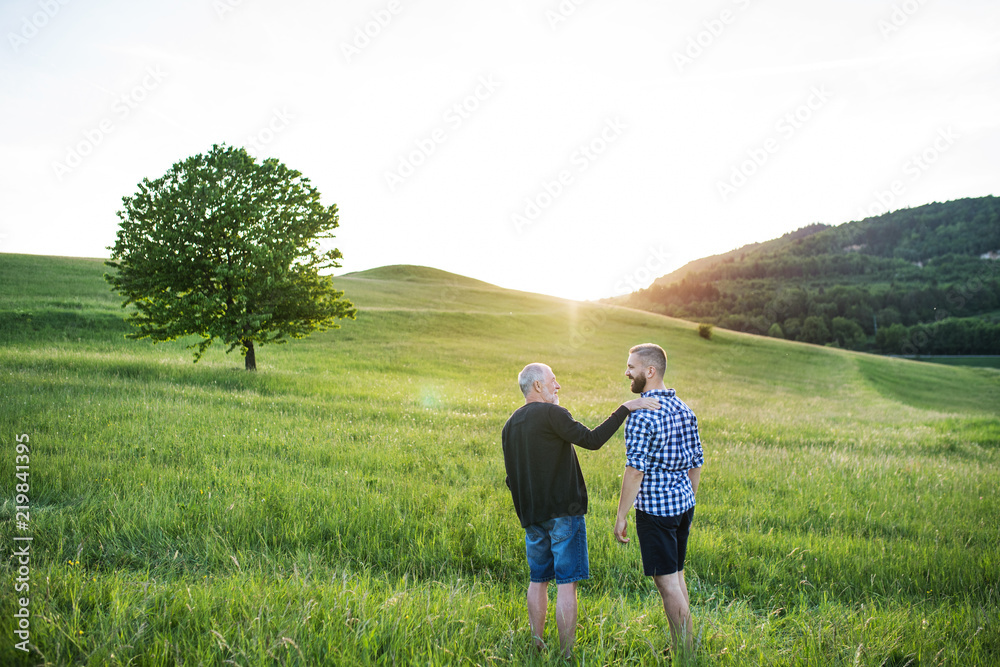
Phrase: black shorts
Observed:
(663, 541)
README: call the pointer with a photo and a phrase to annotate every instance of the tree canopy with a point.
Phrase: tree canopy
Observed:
(225, 247)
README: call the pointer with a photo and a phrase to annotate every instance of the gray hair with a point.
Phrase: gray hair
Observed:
(529, 375)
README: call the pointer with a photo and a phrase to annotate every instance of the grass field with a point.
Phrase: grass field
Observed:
(345, 505)
(977, 362)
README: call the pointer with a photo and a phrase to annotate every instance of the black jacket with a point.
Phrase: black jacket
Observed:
(543, 473)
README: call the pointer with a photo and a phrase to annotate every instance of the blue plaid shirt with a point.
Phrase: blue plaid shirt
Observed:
(664, 444)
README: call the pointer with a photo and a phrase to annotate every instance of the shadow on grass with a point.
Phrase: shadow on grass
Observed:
(984, 432)
(20, 325)
(932, 386)
(153, 374)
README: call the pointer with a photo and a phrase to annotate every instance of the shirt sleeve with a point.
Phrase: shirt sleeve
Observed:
(693, 442)
(573, 431)
(637, 441)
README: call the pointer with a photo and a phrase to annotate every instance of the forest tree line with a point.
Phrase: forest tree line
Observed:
(913, 281)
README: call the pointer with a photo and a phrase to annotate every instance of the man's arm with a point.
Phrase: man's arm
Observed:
(573, 431)
(637, 441)
(695, 475)
(631, 482)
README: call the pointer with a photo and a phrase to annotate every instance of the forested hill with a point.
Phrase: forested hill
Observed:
(922, 280)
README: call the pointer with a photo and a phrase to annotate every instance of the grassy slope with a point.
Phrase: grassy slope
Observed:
(346, 503)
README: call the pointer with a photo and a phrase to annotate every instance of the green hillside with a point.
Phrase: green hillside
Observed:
(915, 281)
(345, 504)
(421, 287)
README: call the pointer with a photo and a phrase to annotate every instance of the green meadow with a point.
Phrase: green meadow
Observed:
(980, 362)
(345, 505)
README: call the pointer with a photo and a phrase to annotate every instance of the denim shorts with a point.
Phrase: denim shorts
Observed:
(557, 549)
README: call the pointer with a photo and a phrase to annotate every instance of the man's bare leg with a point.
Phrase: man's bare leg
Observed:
(538, 607)
(566, 612)
(673, 590)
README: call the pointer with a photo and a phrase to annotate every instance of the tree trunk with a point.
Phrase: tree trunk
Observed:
(250, 357)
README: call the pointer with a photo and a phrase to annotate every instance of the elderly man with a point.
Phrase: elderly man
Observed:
(663, 459)
(549, 494)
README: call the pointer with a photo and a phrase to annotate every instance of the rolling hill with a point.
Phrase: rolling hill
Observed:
(918, 281)
(345, 504)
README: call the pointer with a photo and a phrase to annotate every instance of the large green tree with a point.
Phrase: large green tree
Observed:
(225, 247)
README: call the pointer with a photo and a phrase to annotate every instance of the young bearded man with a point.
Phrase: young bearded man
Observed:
(663, 460)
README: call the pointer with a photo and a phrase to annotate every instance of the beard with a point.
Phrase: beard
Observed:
(638, 384)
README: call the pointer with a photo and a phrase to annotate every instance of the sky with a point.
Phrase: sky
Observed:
(578, 148)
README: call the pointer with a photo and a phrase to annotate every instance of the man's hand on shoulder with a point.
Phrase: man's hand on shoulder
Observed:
(647, 403)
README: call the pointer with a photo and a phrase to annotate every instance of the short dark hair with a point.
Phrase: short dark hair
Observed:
(652, 355)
